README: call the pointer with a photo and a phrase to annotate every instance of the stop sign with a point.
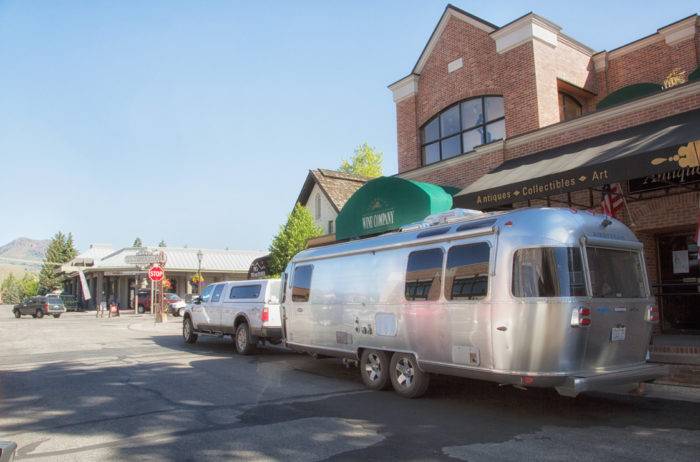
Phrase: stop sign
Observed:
(156, 273)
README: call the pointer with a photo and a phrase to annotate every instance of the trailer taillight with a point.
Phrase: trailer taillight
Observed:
(265, 314)
(581, 317)
(652, 314)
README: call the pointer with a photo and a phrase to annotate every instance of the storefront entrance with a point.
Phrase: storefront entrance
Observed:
(679, 283)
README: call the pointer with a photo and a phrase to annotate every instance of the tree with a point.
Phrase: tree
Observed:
(28, 285)
(60, 251)
(10, 291)
(137, 243)
(292, 238)
(366, 162)
(162, 243)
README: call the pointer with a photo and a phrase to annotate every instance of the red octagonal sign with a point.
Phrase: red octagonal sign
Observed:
(156, 273)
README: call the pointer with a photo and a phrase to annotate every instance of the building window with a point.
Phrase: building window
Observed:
(318, 206)
(330, 226)
(462, 127)
(569, 107)
(423, 275)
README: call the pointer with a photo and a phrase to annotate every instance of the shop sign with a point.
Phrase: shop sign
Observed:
(259, 268)
(678, 177)
(142, 257)
(378, 220)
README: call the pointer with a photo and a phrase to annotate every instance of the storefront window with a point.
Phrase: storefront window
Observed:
(461, 128)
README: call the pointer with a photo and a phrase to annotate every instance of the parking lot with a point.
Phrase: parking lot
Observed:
(81, 388)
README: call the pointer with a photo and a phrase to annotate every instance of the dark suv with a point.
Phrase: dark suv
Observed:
(40, 305)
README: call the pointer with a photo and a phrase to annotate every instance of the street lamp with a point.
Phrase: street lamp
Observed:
(200, 255)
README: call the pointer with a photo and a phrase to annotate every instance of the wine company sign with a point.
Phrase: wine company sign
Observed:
(378, 220)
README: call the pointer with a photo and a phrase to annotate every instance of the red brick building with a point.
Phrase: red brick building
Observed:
(488, 107)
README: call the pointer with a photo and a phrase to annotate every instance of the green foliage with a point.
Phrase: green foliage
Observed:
(61, 250)
(137, 242)
(162, 243)
(13, 290)
(292, 238)
(366, 162)
(10, 291)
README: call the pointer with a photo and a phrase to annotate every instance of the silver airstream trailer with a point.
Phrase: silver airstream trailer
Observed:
(532, 298)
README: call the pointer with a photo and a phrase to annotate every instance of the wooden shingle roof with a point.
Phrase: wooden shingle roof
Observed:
(337, 186)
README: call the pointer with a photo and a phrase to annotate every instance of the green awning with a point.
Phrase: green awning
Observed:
(387, 203)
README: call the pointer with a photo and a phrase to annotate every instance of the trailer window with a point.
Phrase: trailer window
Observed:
(548, 272)
(467, 275)
(423, 274)
(616, 273)
(250, 292)
(301, 283)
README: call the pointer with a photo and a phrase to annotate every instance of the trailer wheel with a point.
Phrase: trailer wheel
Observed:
(374, 367)
(407, 379)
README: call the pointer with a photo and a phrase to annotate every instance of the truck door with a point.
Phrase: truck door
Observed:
(297, 310)
(200, 321)
(212, 309)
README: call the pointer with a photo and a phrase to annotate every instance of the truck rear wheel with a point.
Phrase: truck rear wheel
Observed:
(374, 367)
(141, 309)
(245, 343)
(18, 314)
(39, 314)
(406, 378)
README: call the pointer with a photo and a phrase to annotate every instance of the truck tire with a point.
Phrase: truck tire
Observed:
(17, 314)
(56, 316)
(406, 378)
(188, 331)
(374, 367)
(39, 314)
(141, 309)
(244, 341)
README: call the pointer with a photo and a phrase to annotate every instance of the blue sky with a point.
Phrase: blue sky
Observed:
(196, 122)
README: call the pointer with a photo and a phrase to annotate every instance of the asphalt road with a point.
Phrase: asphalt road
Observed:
(81, 388)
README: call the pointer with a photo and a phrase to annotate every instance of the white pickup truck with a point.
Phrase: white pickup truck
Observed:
(249, 311)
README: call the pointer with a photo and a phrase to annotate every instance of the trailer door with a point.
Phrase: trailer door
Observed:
(298, 309)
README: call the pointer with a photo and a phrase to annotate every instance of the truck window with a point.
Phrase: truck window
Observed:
(206, 293)
(216, 295)
(423, 274)
(616, 273)
(467, 274)
(548, 272)
(301, 283)
(251, 291)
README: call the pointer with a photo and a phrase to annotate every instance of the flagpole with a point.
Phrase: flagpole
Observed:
(629, 212)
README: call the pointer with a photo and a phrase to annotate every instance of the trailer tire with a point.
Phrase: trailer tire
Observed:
(406, 377)
(243, 340)
(374, 368)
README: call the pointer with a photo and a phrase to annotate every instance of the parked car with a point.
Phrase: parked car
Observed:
(246, 310)
(70, 302)
(39, 306)
(533, 298)
(176, 306)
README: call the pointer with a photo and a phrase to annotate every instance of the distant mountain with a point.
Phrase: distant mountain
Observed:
(24, 252)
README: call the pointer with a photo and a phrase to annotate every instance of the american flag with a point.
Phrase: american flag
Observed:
(612, 199)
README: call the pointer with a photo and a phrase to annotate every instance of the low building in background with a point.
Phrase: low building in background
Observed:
(110, 278)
